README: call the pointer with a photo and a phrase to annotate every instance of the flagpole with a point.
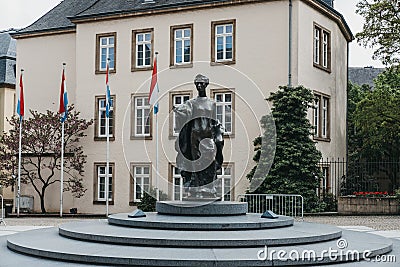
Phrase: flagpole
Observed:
(62, 157)
(157, 156)
(108, 145)
(157, 188)
(62, 169)
(19, 167)
(19, 155)
(107, 163)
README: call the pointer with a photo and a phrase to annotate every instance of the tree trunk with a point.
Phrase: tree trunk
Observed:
(42, 207)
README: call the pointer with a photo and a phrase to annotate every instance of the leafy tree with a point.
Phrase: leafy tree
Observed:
(381, 29)
(295, 167)
(377, 120)
(355, 94)
(377, 115)
(148, 201)
(41, 152)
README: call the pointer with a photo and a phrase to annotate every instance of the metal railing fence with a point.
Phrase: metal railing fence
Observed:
(281, 204)
(2, 211)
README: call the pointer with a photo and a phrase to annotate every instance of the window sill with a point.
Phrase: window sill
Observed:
(322, 68)
(104, 72)
(323, 139)
(181, 66)
(172, 137)
(102, 202)
(141, 69)
(225, 136)
(228, 136)
(219, 63)
(96, 138)
(141, 137)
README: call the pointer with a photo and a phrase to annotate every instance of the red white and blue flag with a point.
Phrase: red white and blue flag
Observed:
(154, 90)
(63, 109)
(108, 94)
(21, 104)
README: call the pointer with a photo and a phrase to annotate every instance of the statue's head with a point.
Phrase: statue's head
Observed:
(201, 82)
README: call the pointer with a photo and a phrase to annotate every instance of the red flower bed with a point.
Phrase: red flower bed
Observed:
(372, 194)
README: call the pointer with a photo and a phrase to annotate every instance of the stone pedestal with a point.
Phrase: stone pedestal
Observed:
(199, 208)
(190, 234)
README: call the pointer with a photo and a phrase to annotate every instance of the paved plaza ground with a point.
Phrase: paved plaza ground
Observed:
(388, 226)
(383, 223)
(380, 223)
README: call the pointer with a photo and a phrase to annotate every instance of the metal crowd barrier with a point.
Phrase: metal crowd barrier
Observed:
(2, 211)
(281, 204)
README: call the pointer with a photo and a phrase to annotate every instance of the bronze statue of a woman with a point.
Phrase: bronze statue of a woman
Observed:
(200, 142)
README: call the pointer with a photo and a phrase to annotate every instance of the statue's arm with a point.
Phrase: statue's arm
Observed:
(218, 136)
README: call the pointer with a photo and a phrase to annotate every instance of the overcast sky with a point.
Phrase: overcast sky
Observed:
(21, 13)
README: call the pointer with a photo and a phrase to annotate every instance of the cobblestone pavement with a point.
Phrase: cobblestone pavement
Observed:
(41, 221)
(381, 223)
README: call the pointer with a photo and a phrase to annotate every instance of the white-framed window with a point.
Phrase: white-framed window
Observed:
(322, 43)
(101, 183)
(316, 116)
(325, 102)
(325, 40)
(143, 49)
(177, 181)
(182, 45)
(101, 117)
(224, 176)
(142, 119)
(224, 42)
(177, 99)
(107, 51)
(321, 117)
(224, 110)
(317, 34)
(141, 181)
(325, 182)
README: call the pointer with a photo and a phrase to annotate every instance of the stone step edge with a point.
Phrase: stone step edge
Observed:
(159, 242)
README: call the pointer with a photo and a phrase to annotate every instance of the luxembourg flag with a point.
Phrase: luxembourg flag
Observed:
(108, 94)
(21, 104)
(153, 95)
(63, 110)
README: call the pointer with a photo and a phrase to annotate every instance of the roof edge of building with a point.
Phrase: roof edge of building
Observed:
(319, 5)
(7, 85)
(52, 31)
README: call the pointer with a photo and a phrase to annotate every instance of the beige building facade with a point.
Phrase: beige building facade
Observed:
(242, 46)
(7, 89)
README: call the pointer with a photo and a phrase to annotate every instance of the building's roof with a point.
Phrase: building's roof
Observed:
(8, 56)
(7, 46)
(60, 17)
(107, 7)
(328, 2)
(364, 75)
(57, 18)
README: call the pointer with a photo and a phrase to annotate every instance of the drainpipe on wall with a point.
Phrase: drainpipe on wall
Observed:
(347, 101)
(290, 45)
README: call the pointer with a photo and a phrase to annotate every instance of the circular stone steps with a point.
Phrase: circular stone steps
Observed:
(102, 232)
(198, 240)
(49, 244)
(201, 208)
(154, 220)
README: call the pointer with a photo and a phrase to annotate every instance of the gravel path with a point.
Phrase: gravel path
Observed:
(41, 221)
(383, 223)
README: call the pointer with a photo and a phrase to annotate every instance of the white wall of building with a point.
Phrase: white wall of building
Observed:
(261, 66)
